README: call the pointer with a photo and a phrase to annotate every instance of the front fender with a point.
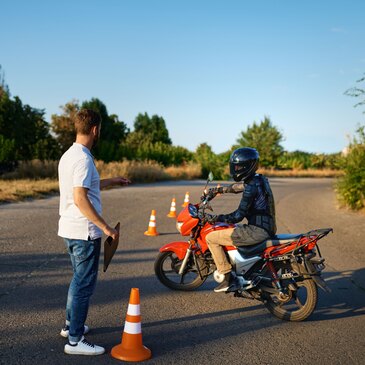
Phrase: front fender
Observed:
(179, 248)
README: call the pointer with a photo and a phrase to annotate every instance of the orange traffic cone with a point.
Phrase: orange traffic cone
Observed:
(131, 348)
(172, 213)
(152, 225)
(186, 200)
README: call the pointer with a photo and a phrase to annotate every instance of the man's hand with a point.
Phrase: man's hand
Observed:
(109, 231)
(211, 218)
(122, 181)
(212, 193)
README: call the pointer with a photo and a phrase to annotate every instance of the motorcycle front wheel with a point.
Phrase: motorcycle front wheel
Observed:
(297, 305)
(167, 266)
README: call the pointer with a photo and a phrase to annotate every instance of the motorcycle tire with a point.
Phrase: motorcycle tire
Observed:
(170, 260)
(305, 309)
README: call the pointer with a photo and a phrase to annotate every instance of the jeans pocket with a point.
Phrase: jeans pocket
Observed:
(82, 250)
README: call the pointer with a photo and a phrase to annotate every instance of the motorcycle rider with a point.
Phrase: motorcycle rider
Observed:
(256, 205)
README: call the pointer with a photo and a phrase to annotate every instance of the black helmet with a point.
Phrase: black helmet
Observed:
(243, 163)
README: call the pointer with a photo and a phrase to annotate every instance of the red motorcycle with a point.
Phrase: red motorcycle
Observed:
(282, 272)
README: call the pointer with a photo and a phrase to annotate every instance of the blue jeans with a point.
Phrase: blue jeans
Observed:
(85, 261)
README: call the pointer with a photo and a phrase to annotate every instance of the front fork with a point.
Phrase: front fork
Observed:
(186, 258)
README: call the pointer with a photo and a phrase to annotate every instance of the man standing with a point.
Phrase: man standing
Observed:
(81, 225)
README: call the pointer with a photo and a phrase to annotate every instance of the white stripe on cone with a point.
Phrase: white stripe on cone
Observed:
(134, 310)
(152, 224)
(132, 328)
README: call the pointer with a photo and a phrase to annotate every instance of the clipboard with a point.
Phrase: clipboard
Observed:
(110, 246)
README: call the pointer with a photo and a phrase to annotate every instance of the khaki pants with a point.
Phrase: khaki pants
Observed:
(241, 235)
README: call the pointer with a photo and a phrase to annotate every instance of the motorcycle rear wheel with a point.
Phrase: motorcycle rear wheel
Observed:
(300, 304)
(167, 266)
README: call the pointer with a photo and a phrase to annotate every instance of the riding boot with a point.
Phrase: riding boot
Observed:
(229, 283)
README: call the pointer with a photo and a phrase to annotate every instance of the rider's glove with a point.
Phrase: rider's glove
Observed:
(211, 218)
(213, 192)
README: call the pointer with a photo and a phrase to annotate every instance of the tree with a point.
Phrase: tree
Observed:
(27, 128)
(357, 92)
(266, 139)
(63, 126)
(4, 89)
(154, 128)
(351, 187)
(209, 161)
(113, 131)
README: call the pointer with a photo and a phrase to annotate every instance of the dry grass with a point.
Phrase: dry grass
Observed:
(15, 190)
(36, 179)
(35, 169)
(136, 171)
(301, 173)
(186, 172)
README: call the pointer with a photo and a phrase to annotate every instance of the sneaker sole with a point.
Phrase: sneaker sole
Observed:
(83, 353)
(221, 290)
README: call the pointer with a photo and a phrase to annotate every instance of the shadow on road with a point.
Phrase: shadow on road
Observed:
(347, 298)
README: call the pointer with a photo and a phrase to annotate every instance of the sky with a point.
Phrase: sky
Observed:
(210, 68)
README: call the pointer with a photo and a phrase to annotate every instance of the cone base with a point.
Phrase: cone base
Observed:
(151, 234)
(172, 215)
(140, 354)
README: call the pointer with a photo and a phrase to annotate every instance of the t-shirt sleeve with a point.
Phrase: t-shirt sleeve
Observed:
(82, 174)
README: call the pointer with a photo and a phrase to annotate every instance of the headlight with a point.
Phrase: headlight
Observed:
(178, 226)
(193, 211)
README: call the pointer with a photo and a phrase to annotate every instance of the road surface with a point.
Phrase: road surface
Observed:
(199, 327)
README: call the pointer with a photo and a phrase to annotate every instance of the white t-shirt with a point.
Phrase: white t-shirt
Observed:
(77, 169)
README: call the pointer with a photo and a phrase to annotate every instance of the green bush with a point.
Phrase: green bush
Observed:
(351, 187)
(163, 153)
(7, 149)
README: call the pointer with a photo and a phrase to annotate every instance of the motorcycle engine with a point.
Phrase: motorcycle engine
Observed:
(218, 277)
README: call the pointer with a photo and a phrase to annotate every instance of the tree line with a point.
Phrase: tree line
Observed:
(25, 135)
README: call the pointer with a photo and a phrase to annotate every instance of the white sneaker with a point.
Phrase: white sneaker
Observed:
(83, 348)
(65, 330)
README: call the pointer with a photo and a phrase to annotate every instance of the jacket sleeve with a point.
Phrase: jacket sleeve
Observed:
(248, 196)
(232, 189)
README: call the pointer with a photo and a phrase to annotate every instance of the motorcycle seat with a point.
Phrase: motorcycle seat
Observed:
(277, 240)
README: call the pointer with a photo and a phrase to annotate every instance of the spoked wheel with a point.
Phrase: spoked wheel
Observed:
(295, 305)
(167, 268)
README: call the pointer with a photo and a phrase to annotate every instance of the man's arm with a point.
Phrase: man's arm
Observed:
(113, 181)
(233, 188)
(243, 208)
(87, 209)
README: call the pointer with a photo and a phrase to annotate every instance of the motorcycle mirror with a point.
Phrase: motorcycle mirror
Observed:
(210, 178)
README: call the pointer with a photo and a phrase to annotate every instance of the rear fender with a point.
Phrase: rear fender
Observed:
(179, 248)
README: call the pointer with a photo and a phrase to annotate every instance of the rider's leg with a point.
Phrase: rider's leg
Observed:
(247, 235)
(215, 241)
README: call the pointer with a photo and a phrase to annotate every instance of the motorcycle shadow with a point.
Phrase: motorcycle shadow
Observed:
(347, 297)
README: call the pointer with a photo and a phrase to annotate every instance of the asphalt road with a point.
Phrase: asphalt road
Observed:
(199, 327)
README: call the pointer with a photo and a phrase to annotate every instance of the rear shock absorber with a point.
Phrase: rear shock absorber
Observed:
(275, 276)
